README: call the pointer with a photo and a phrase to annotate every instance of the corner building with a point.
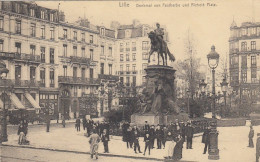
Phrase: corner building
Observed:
(244, 44)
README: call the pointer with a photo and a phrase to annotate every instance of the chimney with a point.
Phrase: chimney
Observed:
(61, 16)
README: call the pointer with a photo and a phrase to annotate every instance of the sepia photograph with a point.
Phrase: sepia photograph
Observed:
(130, 81)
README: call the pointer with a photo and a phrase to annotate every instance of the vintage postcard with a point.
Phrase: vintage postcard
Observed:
(127, 81)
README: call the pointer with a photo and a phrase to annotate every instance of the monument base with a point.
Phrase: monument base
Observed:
(152, 119)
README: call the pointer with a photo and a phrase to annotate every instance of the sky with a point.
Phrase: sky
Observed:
(207, 25)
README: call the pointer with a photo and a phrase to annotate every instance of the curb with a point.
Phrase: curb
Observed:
(81, 152)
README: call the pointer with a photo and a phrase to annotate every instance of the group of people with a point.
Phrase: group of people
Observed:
(176, 132)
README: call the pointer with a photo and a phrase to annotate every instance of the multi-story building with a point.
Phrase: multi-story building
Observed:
(244, 44)
(78, 77)
(133, 47)
(29, 48)
(107, 72)
(67, 69)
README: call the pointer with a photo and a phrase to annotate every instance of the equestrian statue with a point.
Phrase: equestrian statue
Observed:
(159, 45)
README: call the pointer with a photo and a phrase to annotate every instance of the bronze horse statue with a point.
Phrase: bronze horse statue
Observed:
(159, 47)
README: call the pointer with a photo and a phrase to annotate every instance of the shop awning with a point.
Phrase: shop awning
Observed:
(17, 103)
(32, 101)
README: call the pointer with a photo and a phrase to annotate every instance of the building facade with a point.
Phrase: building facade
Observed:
(68, 69)
(244, 44)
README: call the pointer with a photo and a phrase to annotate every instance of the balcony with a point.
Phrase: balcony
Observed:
(27, 58)
(80, 60)
(236, 50)
(7, 55)
(20, 83)
(108, 77)
(78, 80)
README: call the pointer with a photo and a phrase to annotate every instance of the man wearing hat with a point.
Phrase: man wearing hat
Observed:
(257, 147)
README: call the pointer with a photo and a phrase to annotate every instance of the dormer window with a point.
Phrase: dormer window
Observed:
(128, 33)
(32, 12)
(102, 31)
(52, 17)
(145, 31)
(42, 14)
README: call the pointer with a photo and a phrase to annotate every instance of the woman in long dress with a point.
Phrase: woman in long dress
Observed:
(177, 154)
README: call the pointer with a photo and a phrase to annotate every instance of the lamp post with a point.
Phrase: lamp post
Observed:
(3, 72)
(224, 86)
(213, 59)
(202, 87)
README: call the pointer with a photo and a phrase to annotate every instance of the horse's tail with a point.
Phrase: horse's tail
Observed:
(172, 58)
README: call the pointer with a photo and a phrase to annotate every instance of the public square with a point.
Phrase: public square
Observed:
(67, 144)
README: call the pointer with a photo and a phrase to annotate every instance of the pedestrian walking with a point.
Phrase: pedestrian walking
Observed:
(147, 142)
(146, 127)
(251, 136)
(164, 136)
(158, 134)
(89, 127)
(129, 137)
(77, 125)
(189, 135)
(94, 141)
(257, 146)
(22, 140)
(205, 139)
(84, 122)
(177, 154)
(136, 139)
(152, 136)
(105, 139)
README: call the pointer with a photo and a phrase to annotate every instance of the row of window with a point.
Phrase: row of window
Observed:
(102, 68)
(75, 36)
(144, 66)
(103, 50)
(145, 46)
(244, 46)
(42, 77)
(42, 34)
(253, 75)
(128, 57)
(234, 61)
(75, 72)
(246, 32)
(22, 8)
(75, 51)
(127, 80)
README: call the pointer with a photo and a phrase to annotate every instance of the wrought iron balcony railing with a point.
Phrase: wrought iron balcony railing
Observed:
(80, 60)
(7, 55)
(27, 57)
(20, 83)
(78, 80)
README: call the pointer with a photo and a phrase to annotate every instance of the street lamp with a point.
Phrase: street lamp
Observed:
(188, 107)
(224, 88)
(213, 59)
(3, 72)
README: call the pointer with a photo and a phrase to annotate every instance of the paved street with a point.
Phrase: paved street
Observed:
(14, 154)
(233, 146)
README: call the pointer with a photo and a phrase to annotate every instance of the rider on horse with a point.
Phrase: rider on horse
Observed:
(159, 33)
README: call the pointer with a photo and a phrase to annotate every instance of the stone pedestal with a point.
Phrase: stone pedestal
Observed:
(159, 97)
(152, 119)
